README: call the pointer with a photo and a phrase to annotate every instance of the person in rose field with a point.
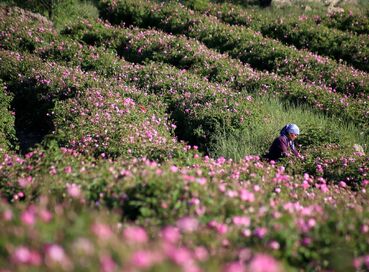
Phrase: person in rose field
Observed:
(283, 146)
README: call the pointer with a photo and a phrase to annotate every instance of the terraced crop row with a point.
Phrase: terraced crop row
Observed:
(140, 45)
(302, 32)
(239, 42)
(82, 110)
(199, 108)
(347, 21)
(255, 18)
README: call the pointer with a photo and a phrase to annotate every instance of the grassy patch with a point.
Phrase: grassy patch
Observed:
(316, 129)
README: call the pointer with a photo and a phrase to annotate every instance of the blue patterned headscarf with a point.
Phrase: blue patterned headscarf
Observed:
(290, 128)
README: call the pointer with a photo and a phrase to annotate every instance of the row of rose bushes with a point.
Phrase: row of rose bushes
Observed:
(239, 42)
(199, 109)
(141, 45)
(194, 125)
(90, 113)
(197, 125)
(346, 20)
(301, 32)
(322, 40)
(87, 240)
(216, 204)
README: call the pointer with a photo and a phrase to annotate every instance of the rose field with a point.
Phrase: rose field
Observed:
(132, 136)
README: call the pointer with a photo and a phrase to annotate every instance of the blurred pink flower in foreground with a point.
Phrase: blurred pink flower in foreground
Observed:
(260, 232)
(23, 255)
(55, 253)
(241, 221)
(28, 217)
(201, 253)
(143, 259)
(135, 234)
(180, 256)
(45, 215)
(247, 196)
(187, 224)
(219, 227)
(235, 267)
(107, 264)
(264, 263)
(68, 169)
(24, 182)
(101, 230)
(74, 190)
(8, 215)
(170, 234)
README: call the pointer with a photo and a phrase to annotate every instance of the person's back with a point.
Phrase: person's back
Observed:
(283, 146)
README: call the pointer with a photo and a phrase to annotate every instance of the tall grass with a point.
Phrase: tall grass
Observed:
(316, 129)
(74, 10)
(64, 11)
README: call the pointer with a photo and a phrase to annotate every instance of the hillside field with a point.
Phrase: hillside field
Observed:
(132, 135)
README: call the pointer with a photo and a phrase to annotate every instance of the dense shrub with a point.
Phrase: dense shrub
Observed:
(21, 30)
(346, 21)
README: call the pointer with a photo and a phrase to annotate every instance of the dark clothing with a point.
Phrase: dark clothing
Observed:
(281, 147)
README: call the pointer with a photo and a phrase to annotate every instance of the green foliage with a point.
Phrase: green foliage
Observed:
(199, 5)
(7, 131)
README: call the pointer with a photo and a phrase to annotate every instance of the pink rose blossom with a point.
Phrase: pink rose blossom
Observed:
(201, 253)
(241, 221)
(25, 182)
(170, 234)
(260, 232)
(264, 263)
(102, 231)
(68, 169)
(21, 255)
(55, 253)
(187, 224)
(28, 217)
(8, 215)
(135, 234)
(45, 215)
(74, 190)
(142, 259)
(107, 264)
(247, 196)
(234, 267)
